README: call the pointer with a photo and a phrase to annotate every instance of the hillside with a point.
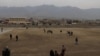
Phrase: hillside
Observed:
(50, 11)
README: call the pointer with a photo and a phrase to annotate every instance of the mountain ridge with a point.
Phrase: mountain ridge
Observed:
(50, 11)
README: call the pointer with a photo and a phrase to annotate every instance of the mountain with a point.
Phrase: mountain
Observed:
(50, 11)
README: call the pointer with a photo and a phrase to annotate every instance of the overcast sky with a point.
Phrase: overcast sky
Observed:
(85, 4)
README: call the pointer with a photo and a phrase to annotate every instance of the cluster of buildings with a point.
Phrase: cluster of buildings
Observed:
(15, 21)
(44, 22)
(32, 20)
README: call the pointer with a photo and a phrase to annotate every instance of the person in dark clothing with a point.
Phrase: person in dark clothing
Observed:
(68, 32)
(71, 33)
(56, 53)
(6, 52)
(51, 53)
(3, 52)
(17, 38)
(63, 50)
(76, 40)
(10, 36)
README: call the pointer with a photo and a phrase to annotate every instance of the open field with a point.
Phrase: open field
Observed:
(34, 42)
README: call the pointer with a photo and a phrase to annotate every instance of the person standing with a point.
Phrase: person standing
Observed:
(76, 40)
(10, 36)
(56, 53)
(17, 38)
(51, 53)
(63, 50)
(71, 33)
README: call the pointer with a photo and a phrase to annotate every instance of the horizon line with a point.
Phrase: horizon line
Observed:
(49, 5)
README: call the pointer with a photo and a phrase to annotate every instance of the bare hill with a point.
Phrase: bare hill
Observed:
(50, 11)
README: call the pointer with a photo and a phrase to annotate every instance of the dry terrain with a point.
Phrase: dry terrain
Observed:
(34, 42)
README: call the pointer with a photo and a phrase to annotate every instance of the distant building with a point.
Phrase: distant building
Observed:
(18, 21)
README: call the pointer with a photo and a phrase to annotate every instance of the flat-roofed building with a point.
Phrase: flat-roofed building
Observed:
(18, 21)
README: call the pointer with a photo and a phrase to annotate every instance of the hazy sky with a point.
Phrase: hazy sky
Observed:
(76, 3)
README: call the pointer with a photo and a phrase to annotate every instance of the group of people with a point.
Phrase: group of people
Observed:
(55, 53)
(6, 51)
(70, 33)
(17, 38)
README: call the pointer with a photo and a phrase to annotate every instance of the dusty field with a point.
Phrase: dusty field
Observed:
(34, 42)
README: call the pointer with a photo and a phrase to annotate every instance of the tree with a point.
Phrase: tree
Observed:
(69, 22)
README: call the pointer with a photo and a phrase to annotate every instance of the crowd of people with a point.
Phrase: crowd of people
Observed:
(55, 53)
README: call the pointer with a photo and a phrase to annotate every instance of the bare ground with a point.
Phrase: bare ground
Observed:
(34, 42)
